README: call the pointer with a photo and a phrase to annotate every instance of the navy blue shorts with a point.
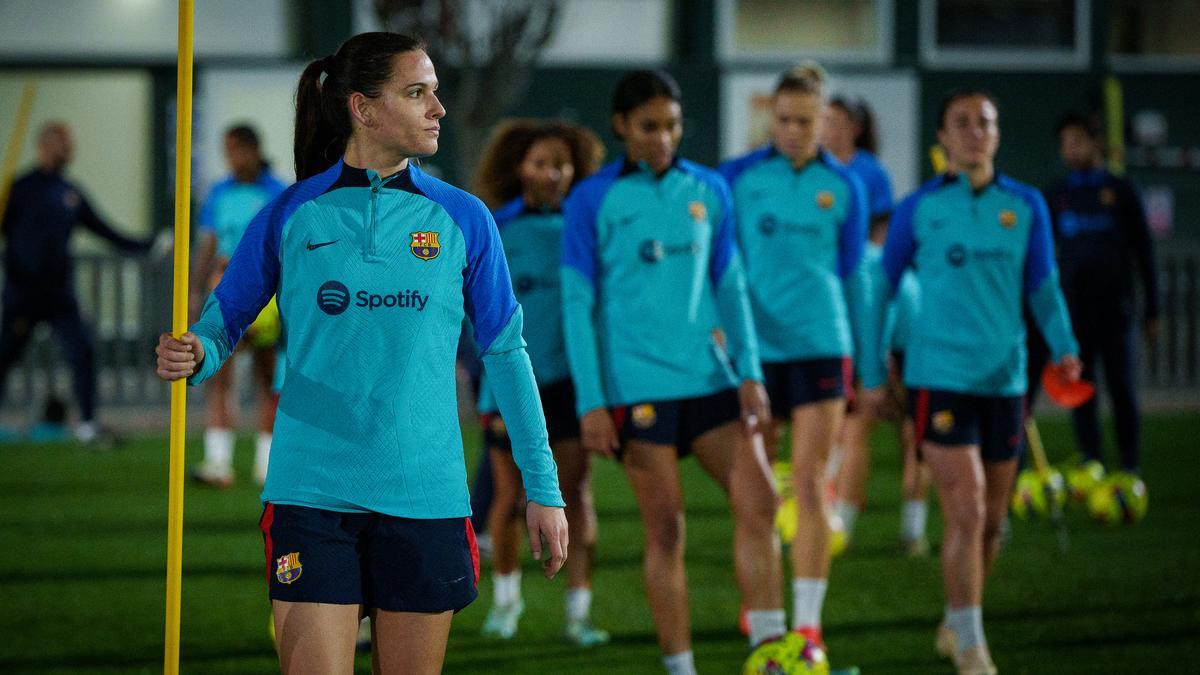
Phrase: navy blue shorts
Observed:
(995, 423)
(796, 383)
(370, 559)
(558, 404)
(676, 423)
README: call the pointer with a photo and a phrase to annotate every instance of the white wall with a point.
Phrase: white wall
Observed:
(110, 113)
(63, 30)
(263, 97)
(893, 97)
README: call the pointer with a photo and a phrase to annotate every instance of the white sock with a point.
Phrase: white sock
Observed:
(579, 603)
(967, 624)
(218, 449)
(848, 513)
(680, 664)
(913, 515)
(262, 456)
(86, 431)
(765, 624)
(807, 597)
(506, 588)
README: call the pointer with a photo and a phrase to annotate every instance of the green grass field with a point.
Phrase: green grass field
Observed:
(82, 558)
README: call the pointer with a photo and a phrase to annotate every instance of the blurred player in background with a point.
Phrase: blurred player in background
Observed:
(802, 224)
(850, 135)
(376, 263)
(1103, 243)
(39, 274)
(228, 210)
(981, 246)
(525, 173)
(650, 271)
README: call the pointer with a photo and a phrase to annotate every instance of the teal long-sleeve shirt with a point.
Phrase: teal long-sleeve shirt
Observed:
(373, 277)
(533, 247)
(802, 233)
(650, 270)
(978, 256)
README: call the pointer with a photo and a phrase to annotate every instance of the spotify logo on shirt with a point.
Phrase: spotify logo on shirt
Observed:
(333, 298)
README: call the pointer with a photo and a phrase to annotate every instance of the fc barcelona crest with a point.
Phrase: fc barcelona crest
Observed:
(825, 199)
(288, 568)
(425, 245)
(1008, 219)
(698, 211)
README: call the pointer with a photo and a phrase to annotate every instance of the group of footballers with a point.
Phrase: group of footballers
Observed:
(667, 309)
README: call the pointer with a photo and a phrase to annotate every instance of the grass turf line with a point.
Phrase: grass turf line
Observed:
(83, 541)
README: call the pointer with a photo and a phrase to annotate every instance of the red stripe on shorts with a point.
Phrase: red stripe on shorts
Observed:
(848, 380)
(474, 546)
(268, 517)
(618, 416)
(922, 417)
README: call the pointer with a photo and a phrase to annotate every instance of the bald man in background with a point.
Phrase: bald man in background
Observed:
(39, 280)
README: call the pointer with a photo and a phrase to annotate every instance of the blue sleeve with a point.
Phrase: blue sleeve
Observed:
(852, 238)
(728, 278)
(880, 193)
(492, 309)
(852, 242)
(252, 276)
(1042, 291)
(579, 272)
(880, 282)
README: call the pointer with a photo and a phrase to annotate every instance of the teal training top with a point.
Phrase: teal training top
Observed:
(802, 233)
(902, 308)
(374, 276)
(231, 204)
(979, 256)
(650, 270)
(533, 246)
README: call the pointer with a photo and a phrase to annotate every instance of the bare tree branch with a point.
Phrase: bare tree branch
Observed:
(493, 45)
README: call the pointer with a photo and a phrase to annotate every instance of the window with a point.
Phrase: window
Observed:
(1006, 34)
(1160, 34)
(781, 32)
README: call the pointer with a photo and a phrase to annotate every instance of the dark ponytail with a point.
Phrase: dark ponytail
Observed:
(362, 64)
(860, 113)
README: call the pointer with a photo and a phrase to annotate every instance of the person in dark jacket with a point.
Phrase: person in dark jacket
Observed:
(39, 281)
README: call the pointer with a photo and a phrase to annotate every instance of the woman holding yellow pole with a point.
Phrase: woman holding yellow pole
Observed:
(375, 263)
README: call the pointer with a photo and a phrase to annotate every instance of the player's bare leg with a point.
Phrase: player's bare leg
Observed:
(854, 468)
(315, 638)
(814, 428)
(999, 478)
(409, 643)
(958, 474)
(653, 471)
(504, 524)
(574, 478)
(738, 463)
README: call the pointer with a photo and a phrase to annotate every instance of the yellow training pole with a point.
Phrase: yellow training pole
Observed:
(12, 155)
(1114, 117)
(179, 315)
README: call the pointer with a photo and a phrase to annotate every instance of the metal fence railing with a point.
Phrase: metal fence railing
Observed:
(126, 301)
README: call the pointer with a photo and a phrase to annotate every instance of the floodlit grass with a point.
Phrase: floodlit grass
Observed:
(83, 550)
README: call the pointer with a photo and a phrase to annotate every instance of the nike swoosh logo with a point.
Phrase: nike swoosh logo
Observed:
(313, 247)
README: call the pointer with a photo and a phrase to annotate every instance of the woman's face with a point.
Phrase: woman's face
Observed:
(839, 131)
(546, 172)
(405, 117)
(651, 132)
(797, 123)
(243, 158)
(970, 132)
